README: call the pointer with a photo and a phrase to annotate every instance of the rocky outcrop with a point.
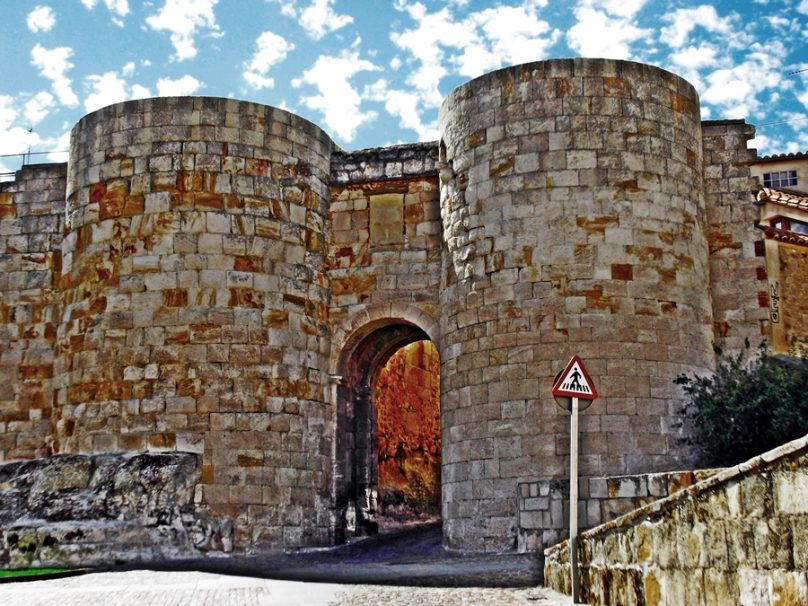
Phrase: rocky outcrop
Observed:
(104, 509)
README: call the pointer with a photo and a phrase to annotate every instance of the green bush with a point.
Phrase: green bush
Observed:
(752, 404)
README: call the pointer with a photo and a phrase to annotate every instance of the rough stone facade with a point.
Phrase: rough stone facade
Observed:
(544, 504)
(214, 277)
(738, 537)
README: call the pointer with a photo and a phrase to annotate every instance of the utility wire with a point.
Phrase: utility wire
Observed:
(44, 153)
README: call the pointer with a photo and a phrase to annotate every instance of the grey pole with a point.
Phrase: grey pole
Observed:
(574, 501)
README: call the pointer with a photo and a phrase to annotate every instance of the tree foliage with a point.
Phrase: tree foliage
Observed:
(750, 405)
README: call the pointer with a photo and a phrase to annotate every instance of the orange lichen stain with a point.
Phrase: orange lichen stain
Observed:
(246, 263)
(175, 297)
(645, 254)
(682, 104)
(526, 258)
(476, 138)
(209, 201)
(355, 284)
(163, 441)
(511, 310)
(35, 371)
(408, 419)
(616, 87)
(501, 167)
(507, 90)
(246, 297)
(622, 271)
(249, 461)
(276, 319)
(596, 225)
(629, 186)
(563, 87)
(133, 205)
(97, 192)
(414, 213)
(667, 275)
(668, 308)
(717, 241)
(190, 387)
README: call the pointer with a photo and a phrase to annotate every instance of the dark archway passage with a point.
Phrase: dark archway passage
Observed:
(357, 458)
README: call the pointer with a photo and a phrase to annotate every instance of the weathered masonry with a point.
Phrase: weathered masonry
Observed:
(215, 278)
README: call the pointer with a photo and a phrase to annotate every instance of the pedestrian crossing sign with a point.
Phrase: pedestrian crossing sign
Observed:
(575, 382)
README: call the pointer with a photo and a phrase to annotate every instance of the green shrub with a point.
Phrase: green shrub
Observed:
(750, 405)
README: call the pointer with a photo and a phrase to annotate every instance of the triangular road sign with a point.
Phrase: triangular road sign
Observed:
(575, 382)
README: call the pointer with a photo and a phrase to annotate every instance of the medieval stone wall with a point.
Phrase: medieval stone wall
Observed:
(574, 223)
(31, 223)
(738, 537)
(195, 304)
(214, 277)
(737, 258)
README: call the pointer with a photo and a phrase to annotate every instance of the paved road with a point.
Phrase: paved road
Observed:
(151, 588)
(414, 556)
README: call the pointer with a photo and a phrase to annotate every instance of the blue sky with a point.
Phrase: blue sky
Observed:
(373, 72)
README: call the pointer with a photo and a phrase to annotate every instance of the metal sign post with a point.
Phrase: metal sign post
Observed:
(570, 385)
(574, 501)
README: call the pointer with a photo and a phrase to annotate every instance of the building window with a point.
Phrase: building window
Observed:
(785, 178)
(792, 225)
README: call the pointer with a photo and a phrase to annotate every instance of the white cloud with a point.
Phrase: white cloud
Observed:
(696, 57)
(107, 89)
(271, 49)
(510, 35)
(140, 92)
(618, 8)
(128, 69)
(36, 108)
(53, 64)
(736, 90)
(598, 34)
(319, 18)
(14, 139)
(41, 19)
(803, 7)
(187, 85)
(337, 100)
(684, 20)
(182, 18)
(119, 7)
(405, 105)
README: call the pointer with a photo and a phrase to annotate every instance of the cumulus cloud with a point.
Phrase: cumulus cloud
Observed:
(406, 105)
(14, 138)
(38, 107)
(319, 18)
(736, 90)
(803, 7)
(271, 49)
(107, 89)
(120, 8)
(606, 28)
(182, 19)
(187, 85)
(53, 64)
(684, 20)
(337, 99)
(41, 19)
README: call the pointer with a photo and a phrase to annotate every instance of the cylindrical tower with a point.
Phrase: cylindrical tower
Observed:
(195, 304)
(573, 216)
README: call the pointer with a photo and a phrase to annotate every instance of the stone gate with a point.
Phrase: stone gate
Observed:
(215, 277)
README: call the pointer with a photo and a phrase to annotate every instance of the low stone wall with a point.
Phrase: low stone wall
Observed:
(543, 518)
(738, 537)
(104, 509)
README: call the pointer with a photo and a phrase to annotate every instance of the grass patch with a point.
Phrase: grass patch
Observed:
(32, 572)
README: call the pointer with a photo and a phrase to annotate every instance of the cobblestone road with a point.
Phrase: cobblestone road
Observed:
(148, 588)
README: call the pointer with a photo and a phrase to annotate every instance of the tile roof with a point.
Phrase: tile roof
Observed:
(784, 197)
(782, 157)
(781, 235)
